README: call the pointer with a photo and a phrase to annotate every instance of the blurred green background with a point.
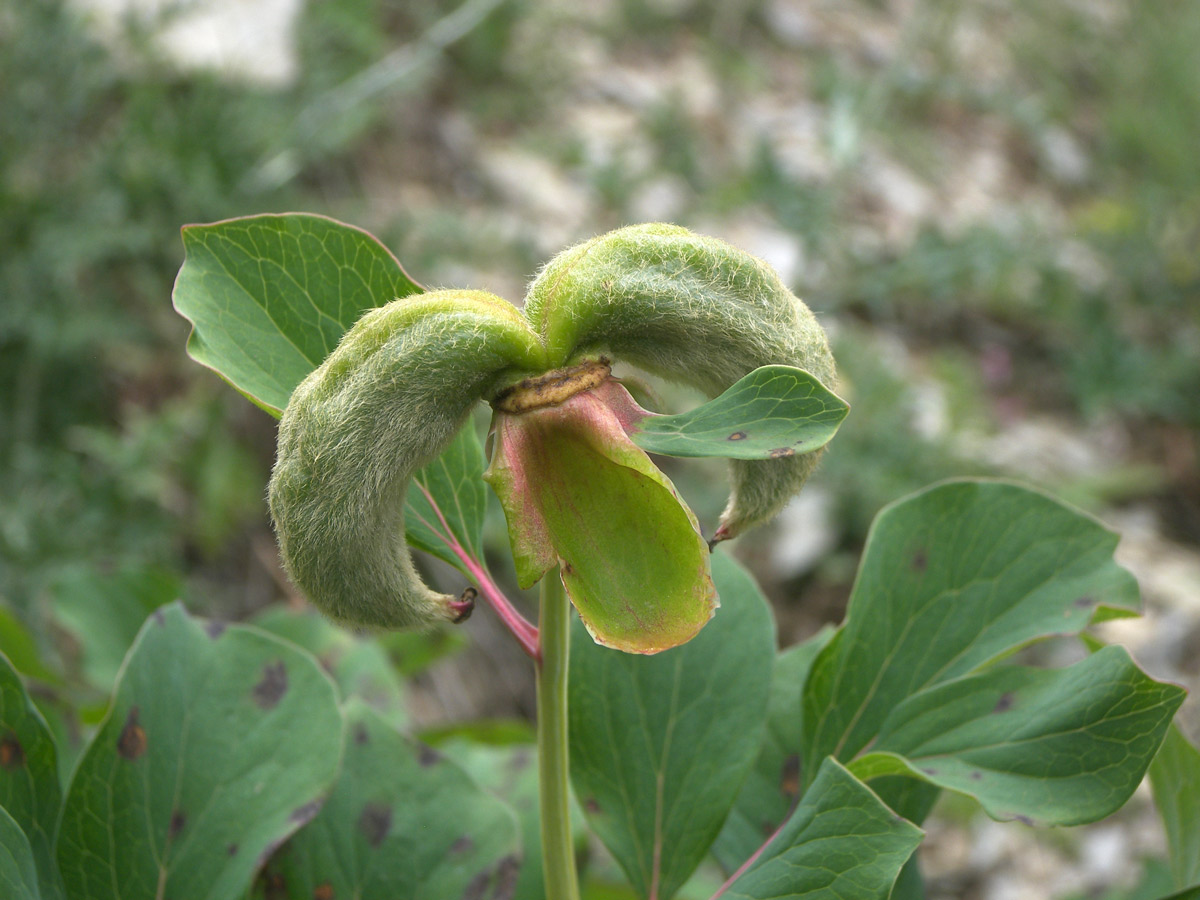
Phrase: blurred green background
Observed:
(994, 208)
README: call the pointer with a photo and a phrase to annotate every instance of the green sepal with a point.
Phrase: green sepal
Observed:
(578, 493)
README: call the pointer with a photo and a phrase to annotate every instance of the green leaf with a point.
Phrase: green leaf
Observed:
(18, 872)
(105, 612)
(914, 800)
(19, 645)
(660, 744)
(1044, 746)
(510, 772)
(774, 411)
(952, 579)
(403, 821)
(270, 296)
(220, 743)
(455, 482)
(29, 788)
(1175, 779)
(359, 665)
(773, 785)
(841, 842)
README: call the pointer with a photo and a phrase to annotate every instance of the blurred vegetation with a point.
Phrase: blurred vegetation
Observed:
(126, 472)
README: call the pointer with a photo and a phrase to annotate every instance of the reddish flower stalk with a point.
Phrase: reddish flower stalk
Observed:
(520, 627)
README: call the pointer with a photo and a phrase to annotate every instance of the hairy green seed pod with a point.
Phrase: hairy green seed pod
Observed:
(691, 309)
(389, 398)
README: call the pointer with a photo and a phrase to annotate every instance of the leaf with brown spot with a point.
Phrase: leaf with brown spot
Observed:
(131, 743)
(375, 823)
(765, 415)
(272, 686)
(29, 785)
(1010, 564)
(12, 754)
(1059, 746)
(188, 785)
(394, 826)
(507, 771)
(360, 665)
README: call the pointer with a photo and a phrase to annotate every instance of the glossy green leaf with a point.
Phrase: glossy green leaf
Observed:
(774, 411)
(18, 872)
(270, 296)
(359, 664)
(576, 491)
(1045, 746)
(29, 788)
(660, 745)
(510, 772)
(454, 482)
(841, 842)
(773, 785)
(403, 821)
(953, 578)
(220, 743)
(1175, 779)
(103, 613)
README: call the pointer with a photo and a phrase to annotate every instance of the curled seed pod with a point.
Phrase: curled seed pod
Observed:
(390, 397)
(692, 309)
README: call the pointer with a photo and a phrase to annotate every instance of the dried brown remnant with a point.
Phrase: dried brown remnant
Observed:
(553, 388)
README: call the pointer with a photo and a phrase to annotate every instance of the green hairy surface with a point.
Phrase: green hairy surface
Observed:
(386, 401)
(691, 309)
(404, 378)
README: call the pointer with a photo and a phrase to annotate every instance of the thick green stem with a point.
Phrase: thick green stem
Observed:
(558, 851)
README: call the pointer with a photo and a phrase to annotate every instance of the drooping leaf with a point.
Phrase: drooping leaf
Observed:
(914, 800)
(403, 821)
(359, 665)
(774, 411)
(510, 772)
(841, 842)
(953, 578)
(454, 481)
(1175, 779)
(660, 744)
(18, 872)
(220, 743)
(773, 785)
(270, 296)
(103, 613)
(1045, 746)
(576, 491)
(29, 788)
